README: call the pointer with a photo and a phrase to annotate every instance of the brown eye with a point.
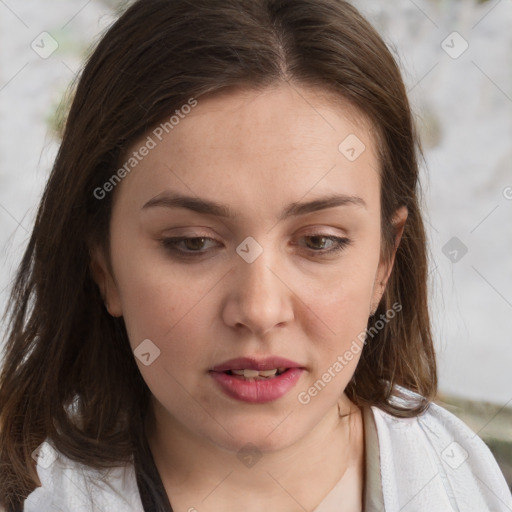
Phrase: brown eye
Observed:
(194, 244)
(186, 246)
(326, 244)
(318, 240)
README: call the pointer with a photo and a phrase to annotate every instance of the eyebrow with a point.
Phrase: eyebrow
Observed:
(208, 207)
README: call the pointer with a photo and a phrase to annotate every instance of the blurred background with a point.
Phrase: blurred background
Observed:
(456, 57)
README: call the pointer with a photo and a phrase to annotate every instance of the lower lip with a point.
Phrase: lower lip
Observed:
(257, 391)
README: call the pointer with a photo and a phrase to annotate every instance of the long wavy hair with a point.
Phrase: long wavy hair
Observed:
(68, 373)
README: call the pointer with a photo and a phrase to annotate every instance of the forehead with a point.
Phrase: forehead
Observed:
(259, 148)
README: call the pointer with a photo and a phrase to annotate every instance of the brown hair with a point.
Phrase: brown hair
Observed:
(64, 353)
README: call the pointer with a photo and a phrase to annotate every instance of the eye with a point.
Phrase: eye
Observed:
(187, 246)
(326, 244)
(318, 244)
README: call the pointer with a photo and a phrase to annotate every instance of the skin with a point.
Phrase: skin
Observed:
(255, 152)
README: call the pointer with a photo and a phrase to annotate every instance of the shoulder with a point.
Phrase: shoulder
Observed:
(437, 459)
(68, 485)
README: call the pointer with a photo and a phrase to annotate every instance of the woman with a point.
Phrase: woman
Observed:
(223, 302)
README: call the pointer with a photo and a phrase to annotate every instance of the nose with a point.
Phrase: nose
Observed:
(259, 297)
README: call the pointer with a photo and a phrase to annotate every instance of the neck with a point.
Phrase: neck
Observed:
(190, 465)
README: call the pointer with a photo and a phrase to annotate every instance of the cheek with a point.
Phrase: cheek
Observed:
(343, 316)
(153, 295)
(341, 313)
(162, 302)
(337, 320)
(169, 312)
(342, 298)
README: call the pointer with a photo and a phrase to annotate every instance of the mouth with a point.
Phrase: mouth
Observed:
(248, 374)
(257, 380)
(263, 366)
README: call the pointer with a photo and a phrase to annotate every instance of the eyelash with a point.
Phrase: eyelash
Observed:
(171, 243)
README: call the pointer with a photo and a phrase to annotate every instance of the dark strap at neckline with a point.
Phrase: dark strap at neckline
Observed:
(151, 489)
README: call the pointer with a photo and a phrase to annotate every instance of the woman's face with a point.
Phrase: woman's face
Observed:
(275, 197)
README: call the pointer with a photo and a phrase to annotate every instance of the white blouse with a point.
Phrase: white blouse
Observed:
(431, 463)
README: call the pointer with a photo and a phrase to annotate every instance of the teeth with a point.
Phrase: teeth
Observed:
(252, 374)
(268, 373)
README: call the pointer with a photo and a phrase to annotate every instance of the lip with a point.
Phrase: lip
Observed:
(250, 363)
(257, 391)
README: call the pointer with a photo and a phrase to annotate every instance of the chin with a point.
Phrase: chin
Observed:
(263, 436)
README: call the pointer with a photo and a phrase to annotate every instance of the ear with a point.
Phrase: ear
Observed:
(386, 263)
(106, 283)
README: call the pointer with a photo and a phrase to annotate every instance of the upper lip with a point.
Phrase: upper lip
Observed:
(250, 363)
